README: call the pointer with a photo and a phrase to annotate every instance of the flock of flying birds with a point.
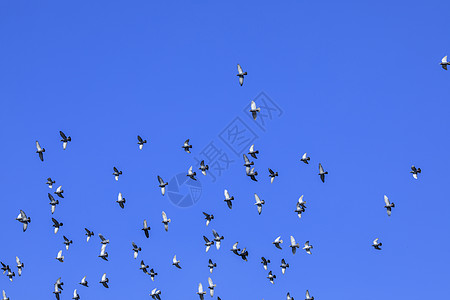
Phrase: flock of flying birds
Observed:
(216, 240)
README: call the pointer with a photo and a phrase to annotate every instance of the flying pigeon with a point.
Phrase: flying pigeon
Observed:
(20, 266)
(241, 74)
(247, 162)
(10, 275)
(208, 243)
(103, 254)
(228, 199)
(116, 173)
(376, 245)
(162, 185)
(153, 274)
(40, 151)
(186, 146)
(146, 228)
(191, 174)
(53, 202)
(84, 282)
(67, 242)
(201, 292)
(59, 191)
(203, 167)
(235, 249)
(308, 297)
(141, 142)
(278, 241)
(155, 294)
(136, 250)
(388, 206)
(211, 266)
(50, 182)
(60, 257)
(244, 254)
(104, 280)
(271, 277)
(272, 175)
(254, 110)
(4, 267)
(75, 295)
(59, 283)
(104, 241)
(288, 297)
(444, 63)
(57, 292)
(305, 158)
(252, 151)
(121, 200)
(300, 207)
(307, 247)
(322, 173)
(65, 139)
(259, 203)
(283, 266)
(88, 234)
(143, 267)
(4, 295)
(251, 173)
(294, 245)
(165, 221)
(176, 262)
(265, 261)
(56, 224)
(415, 171)
(217, 239)
(208, 218)
(22, 218)
(211, 286)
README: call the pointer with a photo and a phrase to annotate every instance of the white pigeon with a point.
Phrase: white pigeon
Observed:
(60, 257)
(388, 205)
(75, 295)
(201, 292)
(40, 151)
(308, 297)
(277, 242)
(84, 282)
(121, 200)
(162, 185)
(4, 296)
(444, 63)
(211, 286)
(294, 245)
(254, 110)
(241, 74)
(19, 266)
(165, 221)
(259, 203)
(176, 262)
(307, 247)
(305, 158)
(104, 280)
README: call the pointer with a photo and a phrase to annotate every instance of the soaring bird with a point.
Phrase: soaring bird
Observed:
(50, 182)
(121, 200)
(153, 274)
(388, 205)
(116, 173)
(162, 185)
(186, 146)
(294, 245)
(191, 174)
(88, 234)
(84, 282)
(165, 221)
(208, 218)
(308, 297)
(10, 275)
(251, 173)
(264, 262)
(271, 277)
(176, 262)
(136, 250)
(217, 239)
(203, 168)
(57, 225)
(60, 257)
(307, 247)
(75, 295)
(53, 202)
(247, 163)
(300, 207)
(65, 139)
(272, 175)
(155, 294)
(201, 292)
(228, 199)
(211, 287)
(254, 110)
(67, 242)
(244, 254)
(305, 158)
(322, 173)
(144, 267)
(252, 151)
(59, 192)
(376, 245)
(103, 254)
(241, 74)
(235, 249)
(20, 266)
(415, 171)
(208, 243)
(278, 241)
(40, 151)
(444, 63)
(211, 266)
(104, 280)
(283, 266)
(146, 229)
(259, 203)
(22, 218)
(141, 142)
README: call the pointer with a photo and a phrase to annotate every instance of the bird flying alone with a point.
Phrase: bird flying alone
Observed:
(444, 63)
(254, 110)
(305, 158)
(241, 74)
(414, 171)
(141, 142)
(186, 146)
(162, 185)
(228, 199)
(116, 173)
(64, 139)
(388, 205)
(165, 221)
(121, 200)
(376, 245)
(322, 173)
(40, 151)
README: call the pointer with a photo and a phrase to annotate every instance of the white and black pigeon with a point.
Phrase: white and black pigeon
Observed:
(104, 280)
(388, 205)
(10, 275)
(415, 171)
(67, 242)
(22, 218)
(251, 173)
(75, 295)
(141, 142)
(228, 199)
(146, 229)
(308, 297)
(57, 225)
(278, 241)
(57, 292)
(64, 139)
(272, 175)
(259, 203)
(307, 247)
(208, 243)
(217, 239)
(59, 192)
(211, 266)
(254, 110)
(40, 151)
(121, 200)
(252, 151)
(50, 183)
(283, 266)
(444, 63)
(208, 218)
(294, 245)
(235, 249)
(201, 292)
(88, 234)
(211, 287)
(300, 207)
(4, 267)
(162, 185)
(264, 262)
(152, 274)
(322, 173)
(103, 254)
(176, 262)
(20, 266)
(136, 250)
(241, 74)
(288, 297)
(60, 257)
(203, 167)
(376, 245)
(247, 162)
(165, 221)
(191, 174)
(186, 146)
(84, 282)
(271, 277)
(144, 267)
(116, 173)
(53, 202)
(244, 254)
(59, 283)
(305, 158)
(104, 241)
(4, 295)
(155, 294)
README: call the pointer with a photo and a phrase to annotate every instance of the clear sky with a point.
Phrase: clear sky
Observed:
(355, 84)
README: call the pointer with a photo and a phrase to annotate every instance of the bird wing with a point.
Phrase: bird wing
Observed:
(104, 277)
(38, 147)
(239, 69)
(59, 254)
(278, 239)
(164, 216)
(55, 222)
(375, 241)
(119, 197)
(251, 148)
(227, 195)
(210, 282)
(292, 241)
(259, 209)
(246, 160)
(161, 181)
(444, 59)
(386, 200)
(174, 259)
(257, 199)
(139, 139)
(215, 233)
(253, 105)
(17, 260)
(200, 288)
(59, 189)
(307, 294)
(320, 168)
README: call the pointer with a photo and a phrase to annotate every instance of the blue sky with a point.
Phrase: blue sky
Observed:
(359, 88)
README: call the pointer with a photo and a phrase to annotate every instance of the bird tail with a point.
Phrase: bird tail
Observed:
(120, 172)
(419, 170)
(69, 139)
